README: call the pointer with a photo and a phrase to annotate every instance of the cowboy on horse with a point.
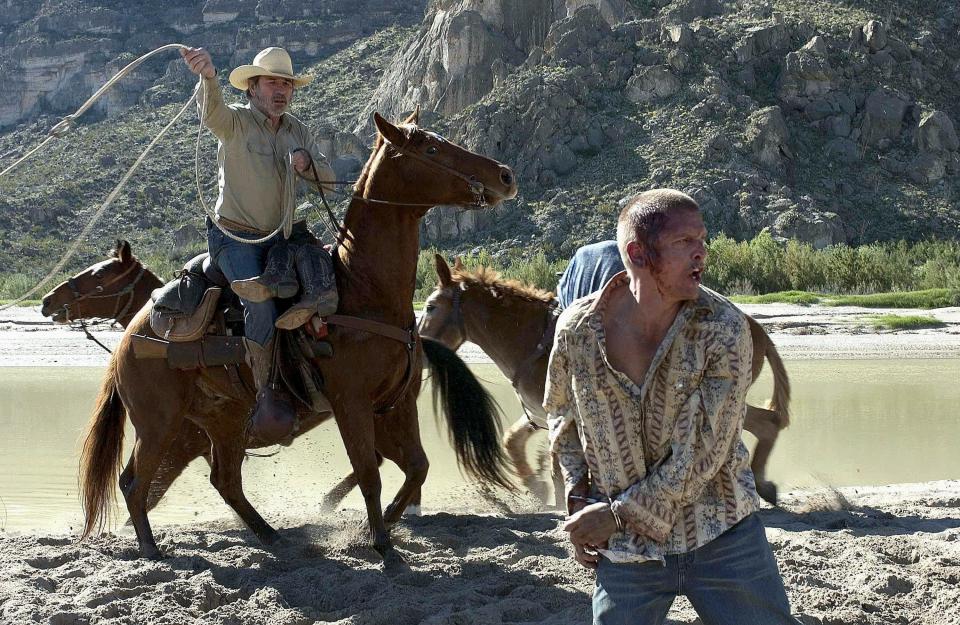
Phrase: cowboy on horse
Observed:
(253, 239)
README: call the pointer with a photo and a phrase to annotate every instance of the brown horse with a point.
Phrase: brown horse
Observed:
(372, 381)
(513, 324)
(114, 289)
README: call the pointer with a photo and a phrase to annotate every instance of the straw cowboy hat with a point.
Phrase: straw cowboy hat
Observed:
(269, 62)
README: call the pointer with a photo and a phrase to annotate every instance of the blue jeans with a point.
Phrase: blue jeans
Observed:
(240, 261)
(732, 580)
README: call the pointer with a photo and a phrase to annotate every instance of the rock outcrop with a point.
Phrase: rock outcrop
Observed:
(466, 47)
(59, 52)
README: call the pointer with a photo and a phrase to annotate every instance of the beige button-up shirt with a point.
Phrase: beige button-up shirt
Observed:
(253, 159)
(667, 455)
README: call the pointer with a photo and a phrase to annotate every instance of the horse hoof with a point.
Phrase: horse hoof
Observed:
(272, 539)
(393, 562)
(767, 491)
(153, 554)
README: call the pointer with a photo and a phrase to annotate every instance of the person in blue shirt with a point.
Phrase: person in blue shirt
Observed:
(591, 267)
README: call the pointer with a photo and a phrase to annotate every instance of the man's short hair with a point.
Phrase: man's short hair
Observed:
(644, 217)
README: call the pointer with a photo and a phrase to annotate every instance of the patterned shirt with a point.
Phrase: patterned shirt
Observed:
(667, 455)
(252, 159)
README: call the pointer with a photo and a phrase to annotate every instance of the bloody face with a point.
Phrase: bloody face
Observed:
(681, 254)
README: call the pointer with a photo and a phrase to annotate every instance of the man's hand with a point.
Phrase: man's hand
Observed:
(301, 160)
(199, 62)
(590, 529)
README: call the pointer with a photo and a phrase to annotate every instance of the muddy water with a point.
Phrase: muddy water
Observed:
(854, 422)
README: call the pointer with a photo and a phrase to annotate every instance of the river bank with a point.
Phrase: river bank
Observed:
(27, 339)
(849, 556)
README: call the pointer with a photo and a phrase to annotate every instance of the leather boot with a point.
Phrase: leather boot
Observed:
(273, 418)
(319, 293)
(260, 360)
(279, 278)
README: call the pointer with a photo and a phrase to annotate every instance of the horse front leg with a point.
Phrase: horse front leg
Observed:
(226, 476)
(189, 444)
(398, 438)
(356, 425)
(337, 494)
(135, 485)
(515, 444)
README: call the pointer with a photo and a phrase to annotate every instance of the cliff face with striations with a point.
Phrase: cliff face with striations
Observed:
(58, 52)
(821, 120)
(826, 125)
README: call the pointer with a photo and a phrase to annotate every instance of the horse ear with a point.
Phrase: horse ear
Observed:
(443, 270)
(458, 263)
(123, 250)
(388, 131)
(414, 117)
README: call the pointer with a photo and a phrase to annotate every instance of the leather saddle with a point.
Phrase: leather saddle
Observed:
(200, 322)
(185, 308)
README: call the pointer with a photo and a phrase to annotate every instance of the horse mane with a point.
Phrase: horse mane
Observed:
(365, 172)
(486, 277)
(377, 143)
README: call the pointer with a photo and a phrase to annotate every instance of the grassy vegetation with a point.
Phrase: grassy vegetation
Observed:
(24, 304)
(764, 270)
(765, 265)
(905, 322)
(930, 298)
(804, 298)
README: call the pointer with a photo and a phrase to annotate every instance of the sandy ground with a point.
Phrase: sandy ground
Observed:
(877, 555)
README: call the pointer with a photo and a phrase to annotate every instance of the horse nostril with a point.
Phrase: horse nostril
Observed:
(506, 176)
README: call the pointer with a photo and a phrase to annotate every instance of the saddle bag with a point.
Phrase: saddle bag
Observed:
(184, 308)
(186, 328)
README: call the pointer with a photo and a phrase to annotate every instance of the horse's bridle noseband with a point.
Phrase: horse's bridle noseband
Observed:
(455, 318)
(476, 187)
(118, 312)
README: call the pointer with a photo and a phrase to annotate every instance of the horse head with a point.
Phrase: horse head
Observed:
(479, 304)
(420, 168)
(442, 318)
(104, 290)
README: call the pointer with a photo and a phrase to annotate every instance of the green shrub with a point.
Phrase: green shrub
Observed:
(905, 322)
(931, 298)
(803, 298)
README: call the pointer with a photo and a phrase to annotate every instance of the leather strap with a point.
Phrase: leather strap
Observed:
(408, 337)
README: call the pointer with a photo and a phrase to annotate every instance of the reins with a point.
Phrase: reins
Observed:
(127, 290)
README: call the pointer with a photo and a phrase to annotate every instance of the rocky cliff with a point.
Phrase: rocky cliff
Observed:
(58, 52)
(829, 125)
(821, 120)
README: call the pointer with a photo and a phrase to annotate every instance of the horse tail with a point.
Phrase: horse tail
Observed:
(100, 456)
(472, 415)
(781, 385)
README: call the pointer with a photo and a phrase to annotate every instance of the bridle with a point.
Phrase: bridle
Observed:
(455, 318)
(119, 312)
(544, 345)
(476, 187)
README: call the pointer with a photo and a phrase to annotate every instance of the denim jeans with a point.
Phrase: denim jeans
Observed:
(732, 580)
(240, 261)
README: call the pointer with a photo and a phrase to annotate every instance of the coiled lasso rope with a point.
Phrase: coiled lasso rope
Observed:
(66, 124)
